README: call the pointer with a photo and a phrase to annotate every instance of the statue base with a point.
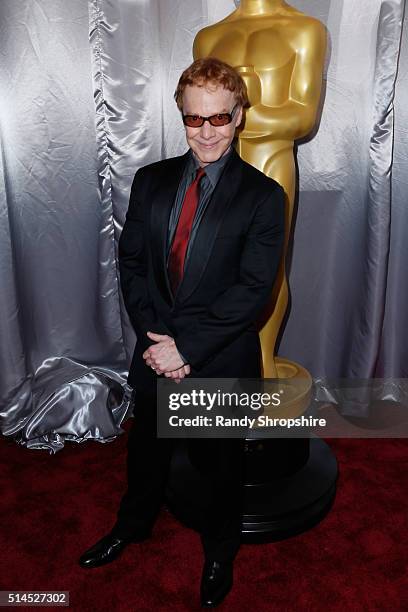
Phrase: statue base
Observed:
(297, 385)
(284, 495)
(289, 483)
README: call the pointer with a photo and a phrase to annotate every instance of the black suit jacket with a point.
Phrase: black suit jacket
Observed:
(228, 277)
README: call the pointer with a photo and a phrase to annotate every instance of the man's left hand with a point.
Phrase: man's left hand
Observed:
(163, 356)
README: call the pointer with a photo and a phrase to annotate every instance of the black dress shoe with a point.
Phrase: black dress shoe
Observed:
(108, 549)
(216, 582)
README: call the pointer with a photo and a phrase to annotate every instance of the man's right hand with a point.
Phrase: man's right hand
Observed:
(178, 375)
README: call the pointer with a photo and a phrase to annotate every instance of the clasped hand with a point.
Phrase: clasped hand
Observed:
(164, 358)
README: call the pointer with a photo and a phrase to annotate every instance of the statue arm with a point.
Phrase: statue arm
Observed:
(201, 46)
(296, 117)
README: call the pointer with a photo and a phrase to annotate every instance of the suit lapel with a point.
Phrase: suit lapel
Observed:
(162, 201)
(207, 231)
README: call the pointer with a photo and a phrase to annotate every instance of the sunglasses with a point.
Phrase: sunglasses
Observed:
(217, 120)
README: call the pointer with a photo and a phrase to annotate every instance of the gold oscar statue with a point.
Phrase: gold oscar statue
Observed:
(280, 53)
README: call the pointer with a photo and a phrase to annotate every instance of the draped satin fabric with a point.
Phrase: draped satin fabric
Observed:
(85, 100)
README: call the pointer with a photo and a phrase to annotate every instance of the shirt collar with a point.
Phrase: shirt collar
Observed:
(212, 170)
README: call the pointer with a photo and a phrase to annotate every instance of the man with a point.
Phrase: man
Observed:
(198, 256)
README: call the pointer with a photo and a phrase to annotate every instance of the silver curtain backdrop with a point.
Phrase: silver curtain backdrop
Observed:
(85, 100)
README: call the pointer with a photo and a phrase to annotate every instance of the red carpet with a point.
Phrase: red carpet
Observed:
(54, 507)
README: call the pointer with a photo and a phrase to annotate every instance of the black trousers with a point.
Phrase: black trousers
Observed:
(219, 462)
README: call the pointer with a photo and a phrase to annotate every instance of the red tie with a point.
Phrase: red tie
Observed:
(183, 230)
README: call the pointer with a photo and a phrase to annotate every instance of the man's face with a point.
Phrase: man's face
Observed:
(208, 142)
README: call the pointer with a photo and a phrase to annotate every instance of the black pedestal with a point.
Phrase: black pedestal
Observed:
(289, 486)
